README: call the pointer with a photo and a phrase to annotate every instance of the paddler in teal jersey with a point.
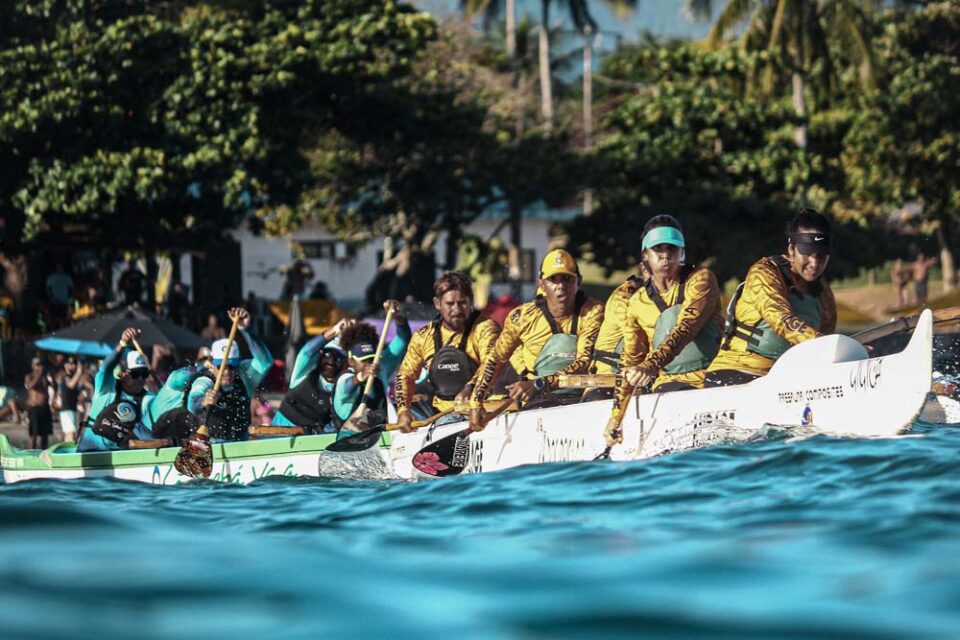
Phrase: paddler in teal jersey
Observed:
(309, 400)
(359, 341)
(784, 301)
(119, 401)
(555, 334)
(229, 411)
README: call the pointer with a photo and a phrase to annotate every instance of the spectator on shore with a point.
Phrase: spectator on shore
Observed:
(38, 384)
(901, 275)
(69, 379)
(8, 404)
(213, 330)
(59, 291)
(178, 305)
(921, 275)
(298, 275)
(131, 284)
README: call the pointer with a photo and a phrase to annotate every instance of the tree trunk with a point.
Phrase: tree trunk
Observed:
(946, 256)
(546, 81)
(512, 32)
(587, 107)
(516, 238)
(799, 100)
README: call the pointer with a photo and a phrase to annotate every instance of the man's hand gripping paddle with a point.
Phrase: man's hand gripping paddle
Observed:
(195, 458)
(450, 456)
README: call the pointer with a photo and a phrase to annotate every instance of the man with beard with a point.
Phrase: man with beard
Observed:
(452, 346)
(309, 400)
(555, 335)
(37, 383)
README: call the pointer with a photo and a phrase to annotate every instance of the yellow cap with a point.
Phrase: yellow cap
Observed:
(558, 261)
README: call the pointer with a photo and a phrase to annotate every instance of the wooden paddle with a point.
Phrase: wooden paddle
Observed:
(136, 345)
(617, 431)
(450, 456)
(195, 458)
(898, 325)
(258, 431)
(357, 420)
(587, 381)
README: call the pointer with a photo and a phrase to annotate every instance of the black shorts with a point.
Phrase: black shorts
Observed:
(41, 421)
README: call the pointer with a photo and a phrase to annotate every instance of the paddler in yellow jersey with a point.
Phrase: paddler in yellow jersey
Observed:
(606, 353)
(783, 301)
(555, 334)
(673, 323)
(452, 347)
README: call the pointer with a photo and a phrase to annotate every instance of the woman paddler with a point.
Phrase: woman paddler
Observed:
(673, 322)
(359, 342)
(228, 419)
(783, 301)
(309, 401)
(120, 400)
(451, 348)
(555, 334)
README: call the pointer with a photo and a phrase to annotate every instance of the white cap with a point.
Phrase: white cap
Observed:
(133, 360)
(219, 348)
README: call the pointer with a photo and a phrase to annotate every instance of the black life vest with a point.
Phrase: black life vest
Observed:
(179, 423)
(308, 405)
(119, 419)
(451, 368)
(229, 418)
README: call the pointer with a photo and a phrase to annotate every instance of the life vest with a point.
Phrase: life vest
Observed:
(612, 358)
(560, 350)
(119, 419)
(309, 405)
(699, 352)
(179, 423)
(229, 417)
(376, 406)
(450, 367)
(761, 338)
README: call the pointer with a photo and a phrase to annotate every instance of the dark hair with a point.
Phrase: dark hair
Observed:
(359, 333)
(660, 220)
(452, 281)
(808, 219)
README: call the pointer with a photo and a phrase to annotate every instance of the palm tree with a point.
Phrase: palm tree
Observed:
(807, 30)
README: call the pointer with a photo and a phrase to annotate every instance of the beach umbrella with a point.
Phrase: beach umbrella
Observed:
(97, 336)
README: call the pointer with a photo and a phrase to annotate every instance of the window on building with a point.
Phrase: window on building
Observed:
(328, 250)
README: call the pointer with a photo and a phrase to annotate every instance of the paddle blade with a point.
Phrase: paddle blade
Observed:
(357, 442)
(446, 457)
(195, 458)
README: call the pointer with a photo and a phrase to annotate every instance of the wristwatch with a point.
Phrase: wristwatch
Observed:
(539, 384)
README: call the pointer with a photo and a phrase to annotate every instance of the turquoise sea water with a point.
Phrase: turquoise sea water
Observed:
(820, 538)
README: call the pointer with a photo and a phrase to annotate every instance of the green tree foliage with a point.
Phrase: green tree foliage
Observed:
(905, 142)
(160, 124)
(689, 140)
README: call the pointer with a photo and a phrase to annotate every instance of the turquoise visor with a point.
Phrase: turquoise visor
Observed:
(663, 235)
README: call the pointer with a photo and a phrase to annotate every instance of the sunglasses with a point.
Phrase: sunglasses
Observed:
(139, 374)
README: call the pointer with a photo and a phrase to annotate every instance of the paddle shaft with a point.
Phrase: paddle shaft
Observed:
(136, 345)
(621, 413)
(905, 324)
(223, 367)
(579, 381)
(368, 388)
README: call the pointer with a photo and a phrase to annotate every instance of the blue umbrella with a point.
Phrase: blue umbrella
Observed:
(77, 347)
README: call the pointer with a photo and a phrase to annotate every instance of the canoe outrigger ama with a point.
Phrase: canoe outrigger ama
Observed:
(829, 385)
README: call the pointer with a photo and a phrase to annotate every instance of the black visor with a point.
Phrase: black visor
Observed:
(813, 242)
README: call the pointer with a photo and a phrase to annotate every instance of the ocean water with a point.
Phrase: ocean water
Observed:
(817, 538)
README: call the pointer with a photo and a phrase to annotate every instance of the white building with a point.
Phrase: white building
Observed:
(347, 270)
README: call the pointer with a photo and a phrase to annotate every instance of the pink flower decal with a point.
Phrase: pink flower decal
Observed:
(429, 463)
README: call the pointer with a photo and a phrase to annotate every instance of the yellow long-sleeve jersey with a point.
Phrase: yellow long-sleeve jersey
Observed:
(765, 297)
(527, 330)
(483, 336)
(701, 305)
(614, 318)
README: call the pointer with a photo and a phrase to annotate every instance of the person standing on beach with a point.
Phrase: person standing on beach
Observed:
(921, 274)
(69, 385)
(901, 276)
(37, 383)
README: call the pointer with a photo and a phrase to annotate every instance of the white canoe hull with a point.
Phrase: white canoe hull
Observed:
(826, 386)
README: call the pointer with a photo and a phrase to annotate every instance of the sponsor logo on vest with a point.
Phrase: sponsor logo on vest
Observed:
(450, 366)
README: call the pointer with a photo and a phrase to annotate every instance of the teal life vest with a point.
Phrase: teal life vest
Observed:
(700, 351)
(761, 338)
(560, 350)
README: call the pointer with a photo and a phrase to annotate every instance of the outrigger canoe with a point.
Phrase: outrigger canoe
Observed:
(825, 386)
(829, 385)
